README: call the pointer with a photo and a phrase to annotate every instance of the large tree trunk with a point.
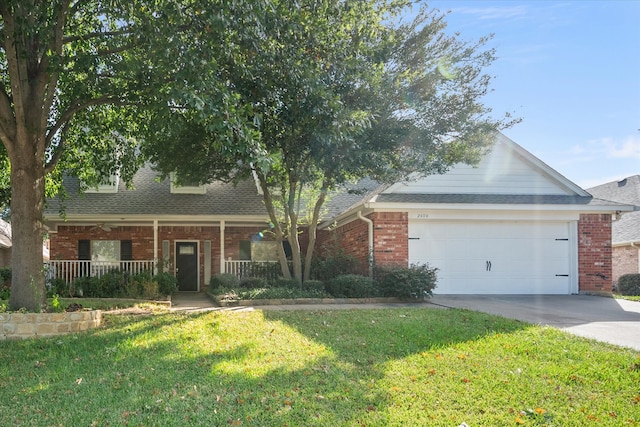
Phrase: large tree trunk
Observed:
(313, 233)
(27, 202)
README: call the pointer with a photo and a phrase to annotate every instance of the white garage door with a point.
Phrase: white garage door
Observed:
(495, 257)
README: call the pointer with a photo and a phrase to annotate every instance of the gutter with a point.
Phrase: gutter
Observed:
(370, 229)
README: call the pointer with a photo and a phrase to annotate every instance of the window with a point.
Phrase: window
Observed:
(190, 188)
(107, 185)
(259, 250)
(103, 254)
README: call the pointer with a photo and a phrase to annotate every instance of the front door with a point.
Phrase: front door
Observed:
(187, 266)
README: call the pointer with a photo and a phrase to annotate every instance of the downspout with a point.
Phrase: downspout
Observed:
(222, 227)
(155, 246)
(370, 256)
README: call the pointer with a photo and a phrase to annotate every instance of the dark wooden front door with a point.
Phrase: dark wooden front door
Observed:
(187, 266)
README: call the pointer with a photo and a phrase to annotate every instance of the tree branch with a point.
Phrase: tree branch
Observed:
(79, 106)
(57, 153)
(7, 120)
(97, 34)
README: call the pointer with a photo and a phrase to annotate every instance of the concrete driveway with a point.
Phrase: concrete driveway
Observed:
(605, 319)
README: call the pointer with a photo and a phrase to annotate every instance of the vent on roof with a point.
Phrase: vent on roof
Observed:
(622, 183)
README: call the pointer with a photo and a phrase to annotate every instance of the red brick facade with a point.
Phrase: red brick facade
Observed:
(390, 239)
(625, 261)
(594, 253)
(64, 243)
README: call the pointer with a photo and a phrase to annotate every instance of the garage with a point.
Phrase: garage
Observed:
(497, 257)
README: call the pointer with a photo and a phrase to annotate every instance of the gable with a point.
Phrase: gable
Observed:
(507, 169)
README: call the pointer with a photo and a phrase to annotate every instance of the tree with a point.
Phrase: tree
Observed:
(78, 77)
(339, 90)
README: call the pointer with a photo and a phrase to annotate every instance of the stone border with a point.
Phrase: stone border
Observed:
(31, 325)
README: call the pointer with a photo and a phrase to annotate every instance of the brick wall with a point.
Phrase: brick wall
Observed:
(625, 261)
(390, 239)
(594, 253)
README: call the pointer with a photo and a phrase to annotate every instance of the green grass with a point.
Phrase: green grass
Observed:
(387, 367)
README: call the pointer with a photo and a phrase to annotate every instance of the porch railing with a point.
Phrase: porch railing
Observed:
(69, 270)
(265, 269)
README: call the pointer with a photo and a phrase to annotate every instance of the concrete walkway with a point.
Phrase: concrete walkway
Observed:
(605, 319)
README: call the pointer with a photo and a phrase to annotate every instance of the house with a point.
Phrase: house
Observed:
(511, 225)
(5, 244)
(625, 239)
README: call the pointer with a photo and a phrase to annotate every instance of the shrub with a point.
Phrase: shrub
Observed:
(281, 282)
(5, 276)
(416, 281)
(80, 285)
(5, 283)
(328, 267)
(225, 280)
(629, 284)
(58, 287)
(253, 283)
(352, 286)
(167, 283)
(313, 285)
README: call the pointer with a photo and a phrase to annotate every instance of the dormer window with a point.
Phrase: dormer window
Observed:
(107, 185)
(185, 188)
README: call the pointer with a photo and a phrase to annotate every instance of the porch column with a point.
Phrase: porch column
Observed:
(222, 226)
(155, 246)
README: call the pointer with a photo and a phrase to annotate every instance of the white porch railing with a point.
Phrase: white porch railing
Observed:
(69, 270)
(252, 268)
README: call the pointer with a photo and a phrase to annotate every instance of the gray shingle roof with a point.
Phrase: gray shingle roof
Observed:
(623, 191)
(627, 228)
(152, 197)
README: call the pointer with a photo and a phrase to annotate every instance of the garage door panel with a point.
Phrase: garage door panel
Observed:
(495, 256)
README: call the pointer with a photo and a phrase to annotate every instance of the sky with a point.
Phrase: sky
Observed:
(571, 71)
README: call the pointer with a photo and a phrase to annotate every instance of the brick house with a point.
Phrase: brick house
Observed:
(625, 240)
(510, 225)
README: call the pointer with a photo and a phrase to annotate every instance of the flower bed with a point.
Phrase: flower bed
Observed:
(29, 325)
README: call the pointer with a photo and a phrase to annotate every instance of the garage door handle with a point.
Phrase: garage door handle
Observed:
(562, 275)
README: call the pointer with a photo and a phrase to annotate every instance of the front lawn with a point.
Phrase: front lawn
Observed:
(387, 367)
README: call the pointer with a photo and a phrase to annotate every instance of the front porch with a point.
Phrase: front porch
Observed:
(70, 270)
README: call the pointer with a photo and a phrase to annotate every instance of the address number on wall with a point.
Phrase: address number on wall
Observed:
(422, 215)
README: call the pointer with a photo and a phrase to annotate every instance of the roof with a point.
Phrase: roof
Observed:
(626, 229)
(506, 177)
(150, 196)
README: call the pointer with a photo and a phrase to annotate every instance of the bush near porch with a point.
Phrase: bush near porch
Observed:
(414, 282)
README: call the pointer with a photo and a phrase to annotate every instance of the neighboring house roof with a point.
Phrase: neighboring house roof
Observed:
(507, 177)
(625, 230)
(5, 234)
(150, 197)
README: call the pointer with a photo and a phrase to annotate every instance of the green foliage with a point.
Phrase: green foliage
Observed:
(416, 281)
(167, 283)
(352, 286)
(284, 283)
(56, 306)
(59, 287)
(313, 285)
(253, 283)
(225, 280)
(5, 283)
(327, 267)
(629, 284)
(118, 284)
